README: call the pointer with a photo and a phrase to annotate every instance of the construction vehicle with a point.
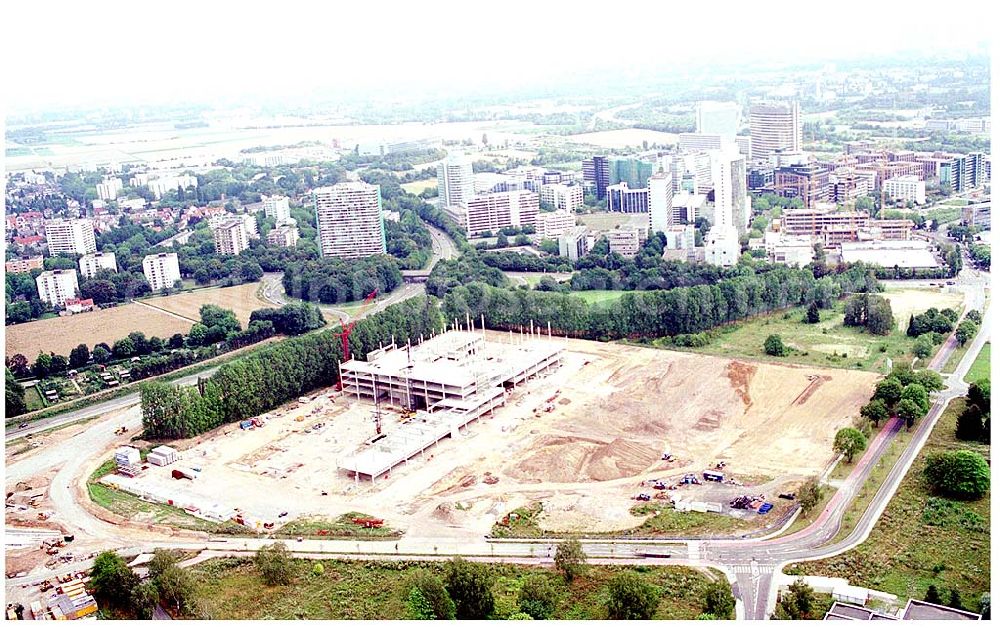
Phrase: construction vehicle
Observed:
(787, 495)
(764, 509)
(345, 329)
(659, 485)
(368, 522)
(690, 478)
(643, 497)
(121, 430)
(667, 456)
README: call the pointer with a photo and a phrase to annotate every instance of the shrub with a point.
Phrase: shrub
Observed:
(570, 559)
(631, 597)
(274, 562)
(538, 597)
(962, 474)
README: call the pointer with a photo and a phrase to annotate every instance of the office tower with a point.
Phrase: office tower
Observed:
(729, 179)
(774, 125)
(596, 173)
(455, 181)
(661, 198)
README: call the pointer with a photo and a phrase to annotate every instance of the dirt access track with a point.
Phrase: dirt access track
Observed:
(615, 410)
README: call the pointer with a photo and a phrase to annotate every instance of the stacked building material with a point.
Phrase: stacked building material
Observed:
(162, 456)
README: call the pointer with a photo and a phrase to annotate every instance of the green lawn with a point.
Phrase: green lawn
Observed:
(416, 187)
(821, 344)
(231, 589)
(33, 399)
(598, 296)
(981, 367)
(905, 554)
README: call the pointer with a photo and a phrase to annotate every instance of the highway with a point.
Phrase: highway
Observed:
(751, 564)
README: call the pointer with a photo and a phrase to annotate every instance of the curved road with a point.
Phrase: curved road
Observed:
(751, 564)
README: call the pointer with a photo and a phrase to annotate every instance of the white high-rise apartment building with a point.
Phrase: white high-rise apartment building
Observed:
(661, 199)
(93, 262)
(774, 126)
(230, 236)
(554, 224)
(75, 237)
(108, 189)
(349, 220)
(161, 270)
(718, 118)
(729, 179)
(285, 235)
(55, 286)
(276, 207)
(456, 184)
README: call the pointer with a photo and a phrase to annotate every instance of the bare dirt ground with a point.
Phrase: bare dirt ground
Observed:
(242, 300)
(61, 335)
(617, 410)
(909, 301)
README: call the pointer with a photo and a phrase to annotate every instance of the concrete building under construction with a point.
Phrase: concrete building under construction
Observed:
(451, 379)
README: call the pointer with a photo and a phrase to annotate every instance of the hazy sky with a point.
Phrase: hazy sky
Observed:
(69, 53)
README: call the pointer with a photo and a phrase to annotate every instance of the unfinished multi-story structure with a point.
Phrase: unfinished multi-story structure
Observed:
(453, 379)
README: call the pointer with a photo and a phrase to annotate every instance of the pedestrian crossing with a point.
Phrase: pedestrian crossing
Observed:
(741, 569)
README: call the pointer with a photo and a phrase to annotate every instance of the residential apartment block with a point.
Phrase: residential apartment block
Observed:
(554, 224)
(74, 236)
(25, 265)
(93, 262)
(562, 196)
(55, 287)
(285, 236)
(230, 236)
(492, 212)
(276, 207)
(349, 219)
(161, 270)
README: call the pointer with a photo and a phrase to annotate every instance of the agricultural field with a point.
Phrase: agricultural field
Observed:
(60, 335)
(232, 589)
(981, 367)
(242, 300)
(919, 542)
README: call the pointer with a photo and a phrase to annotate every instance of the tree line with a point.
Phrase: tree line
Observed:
(334, 280)
(654, 313)
(273, 375)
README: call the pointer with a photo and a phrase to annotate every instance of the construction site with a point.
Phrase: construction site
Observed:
(456, 431)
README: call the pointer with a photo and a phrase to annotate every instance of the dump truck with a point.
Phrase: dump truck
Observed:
(180, 473)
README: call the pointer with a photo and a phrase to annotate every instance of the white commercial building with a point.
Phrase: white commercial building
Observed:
(680, 237)
(492, 212)
(56, 286)
(718, 118)
(575, 243)
(108, 189)
(626, 241)
(686, 207)
(788, 249)
(456, 184)
(93, 262)
(562, 196)
(729, 178)
(890, 253)
(661, 202)
(349, 220)
(906, 188)
(554, 224)
(75, 237)
(230, 236)
(285, 235)
(161, 270)
(276, 207)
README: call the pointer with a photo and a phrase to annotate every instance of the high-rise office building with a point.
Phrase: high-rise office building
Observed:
(635, 172)
(161, 270)
(774, 125)
(456, 184)
(718, 118)
(661, 198)
(729, 179)
(349, 220)
(596, 173)
(75, 237)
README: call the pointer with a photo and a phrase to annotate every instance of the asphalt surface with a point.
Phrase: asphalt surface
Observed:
(751, 564)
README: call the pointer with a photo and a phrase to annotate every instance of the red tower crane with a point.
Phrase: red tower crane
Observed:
(345, 330)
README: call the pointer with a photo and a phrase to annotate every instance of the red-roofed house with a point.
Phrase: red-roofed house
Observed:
(75, 306)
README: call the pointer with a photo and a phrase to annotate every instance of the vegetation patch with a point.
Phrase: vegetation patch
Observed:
(347, 526)
(232, 589)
